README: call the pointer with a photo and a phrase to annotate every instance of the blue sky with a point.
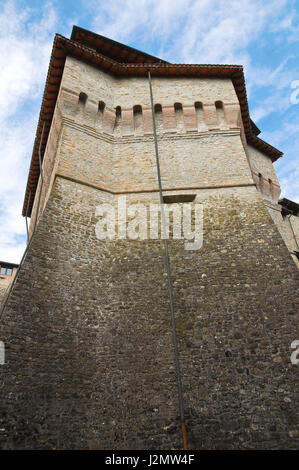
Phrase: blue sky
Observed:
(262, 36)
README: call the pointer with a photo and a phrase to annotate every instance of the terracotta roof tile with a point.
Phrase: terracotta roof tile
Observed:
(63, 47)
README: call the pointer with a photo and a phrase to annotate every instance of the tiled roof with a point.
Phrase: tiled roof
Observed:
(288, 206)
(86, 47)
(110, 48)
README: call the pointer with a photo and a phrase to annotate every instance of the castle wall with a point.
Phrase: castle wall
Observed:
(129, 165)
(265, 177)
(89, 355)
(89, 358)
(202, 142)
(127, 92)
(288, 227)
(202, 147)
(49, 164)
(264, 174)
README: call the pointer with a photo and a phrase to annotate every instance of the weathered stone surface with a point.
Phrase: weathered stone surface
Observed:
(88, 339)
(89, 354)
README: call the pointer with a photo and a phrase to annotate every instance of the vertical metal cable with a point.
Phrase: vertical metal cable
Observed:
(294, 235)
(26, 216)
(170, 290)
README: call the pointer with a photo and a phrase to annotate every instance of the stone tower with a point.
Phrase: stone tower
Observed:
(88, 344)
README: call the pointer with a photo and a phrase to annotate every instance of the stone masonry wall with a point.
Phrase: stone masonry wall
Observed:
(285, 229)
(97, 144)
(2, 292)
(264, 174)
(265, 177)
(89, 358)
(201, 144)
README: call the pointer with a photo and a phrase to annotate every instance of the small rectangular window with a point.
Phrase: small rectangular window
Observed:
(177, 198)
(6, 271)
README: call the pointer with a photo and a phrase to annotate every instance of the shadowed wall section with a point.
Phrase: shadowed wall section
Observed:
(88, 339)
(87, 331)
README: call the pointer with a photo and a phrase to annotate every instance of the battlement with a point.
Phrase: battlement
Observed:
(102, 132)
(87, 325)
(136, 120)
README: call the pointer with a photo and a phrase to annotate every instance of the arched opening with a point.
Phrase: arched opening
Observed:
(271, 187)
(220, 113)
(178, 110)
(137, 115)
(101, 107)
(82, 99)
(261, 182)
(117, 122)
(118, 111)
(158, 117)
(199, 114)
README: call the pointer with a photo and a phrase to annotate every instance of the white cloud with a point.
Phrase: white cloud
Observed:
(24, 56)
(277, 102)
(25, 50)
(200, 31)
(289, 185)
(288, 166)
(220, 31)
(191, 31)
(125, 20)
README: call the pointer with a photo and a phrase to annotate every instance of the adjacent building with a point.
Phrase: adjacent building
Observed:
(7, 274)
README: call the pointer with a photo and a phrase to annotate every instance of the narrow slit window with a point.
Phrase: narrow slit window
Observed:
(137, 113)
(117, 118)
(158, 117)
(271, 187)
(220, 112)
(178, 109)
(101, 107)
(82, 99)
(199, 114)
(261, 181)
